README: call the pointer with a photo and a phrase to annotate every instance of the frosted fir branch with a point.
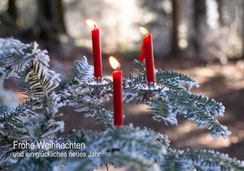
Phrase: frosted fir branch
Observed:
(83, 73)
(137, 88)
(25, 109)
(5, 109)
(162, 110)
(174, 80)
(126, 159)
(98, 92)
(120, 146)
(141, 67)
(173, 99)
(170, 162)
(32, 130)
(170, 78)
(31, 65)
(40, 79)
(208, 159)
(147, 142)
(86, 95)
(87, 98)
(101, 91)
(199, 101)
(92, 107)
(130, 160)
(16, 55)
(199, 160)
(200, 109)
(52, 104)
(123, 147)
(143, 143)
(82, 70)
(193, 107)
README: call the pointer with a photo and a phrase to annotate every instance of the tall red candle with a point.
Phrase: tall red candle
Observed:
(97, 55)
(117, 93)
(147, 54)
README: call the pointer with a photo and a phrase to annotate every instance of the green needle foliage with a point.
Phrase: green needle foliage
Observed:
(35, 120)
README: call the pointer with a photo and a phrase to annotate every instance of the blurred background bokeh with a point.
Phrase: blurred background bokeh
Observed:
(202, 38)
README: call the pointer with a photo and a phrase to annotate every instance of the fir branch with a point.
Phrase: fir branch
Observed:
(191, 106)
(141, 67)
(171, 79)
(92, 107)
(120, 146)
(210, 160)
(125, 159)
(16, 55)
(174, 98)
(200, 160)
(41, 80)
(162, 110)
(82, 70)
(148, 142)
(174, 80)
(25, 109)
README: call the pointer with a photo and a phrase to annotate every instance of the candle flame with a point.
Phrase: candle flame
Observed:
(114, 62)
(143, 31)
(91, 23)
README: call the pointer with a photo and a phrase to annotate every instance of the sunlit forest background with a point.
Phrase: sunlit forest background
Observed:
(201, 38)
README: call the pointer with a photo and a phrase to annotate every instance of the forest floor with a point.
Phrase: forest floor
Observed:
(225, 83)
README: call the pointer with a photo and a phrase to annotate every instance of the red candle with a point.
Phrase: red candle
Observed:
(147, 54)
(117, 93)
(97, 56)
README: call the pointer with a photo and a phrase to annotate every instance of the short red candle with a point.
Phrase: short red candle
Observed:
(118, 92)
(118, 97)
(96, 53)
(147, 48)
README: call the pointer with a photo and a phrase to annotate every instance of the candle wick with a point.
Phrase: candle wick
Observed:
(95, 26)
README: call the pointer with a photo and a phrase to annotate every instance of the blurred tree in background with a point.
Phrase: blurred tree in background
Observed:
(221, 12)
(206, 29)
(12, 10)
(176, 22)
(200, 23)
(50, 19)
(243, 29)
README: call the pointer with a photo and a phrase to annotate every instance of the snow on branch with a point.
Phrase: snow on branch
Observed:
(35, 120)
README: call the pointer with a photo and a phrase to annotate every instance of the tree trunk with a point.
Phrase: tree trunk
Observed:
(50, 20)
(242, 29)
(12, 10)
(200, 13)
(60, 16)
(199, 22)
(175, 31)
(221, 12)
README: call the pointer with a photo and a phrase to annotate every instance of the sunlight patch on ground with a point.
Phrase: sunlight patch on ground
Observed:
(180, 130)
(213, 142)
(200, 139)
(233, 74)
(138, 109)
